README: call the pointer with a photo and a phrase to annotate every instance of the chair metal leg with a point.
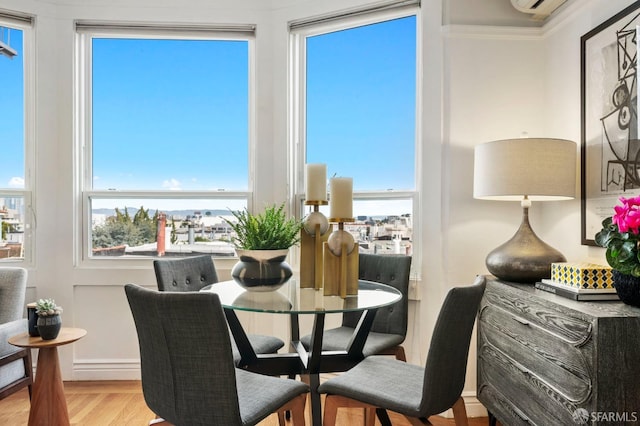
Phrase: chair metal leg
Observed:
(383, 416)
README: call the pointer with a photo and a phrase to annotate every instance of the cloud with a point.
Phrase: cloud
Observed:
(16, 182)
(171, 184)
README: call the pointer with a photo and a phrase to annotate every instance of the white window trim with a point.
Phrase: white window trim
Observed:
(26, 24)
(299, 31)
(85, 32)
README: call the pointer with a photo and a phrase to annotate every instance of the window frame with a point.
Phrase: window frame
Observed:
(85, 32)
(26, 24)
(302, 29)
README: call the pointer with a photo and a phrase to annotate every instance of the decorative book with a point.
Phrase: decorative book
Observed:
(576, 293)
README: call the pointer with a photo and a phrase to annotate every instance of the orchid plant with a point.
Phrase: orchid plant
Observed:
(47, 307)
(620, 235)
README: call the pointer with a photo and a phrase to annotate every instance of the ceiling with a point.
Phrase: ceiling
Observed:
(490, 12)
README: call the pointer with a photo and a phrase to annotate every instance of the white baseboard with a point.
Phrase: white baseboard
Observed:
(106, 369)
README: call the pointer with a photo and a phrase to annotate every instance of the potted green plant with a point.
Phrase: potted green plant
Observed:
(49, 321)
(620, 235)
(262, 243)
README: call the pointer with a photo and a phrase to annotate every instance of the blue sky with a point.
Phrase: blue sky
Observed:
(12, 113)
(361, 104)
(172, 114)
(179, 105)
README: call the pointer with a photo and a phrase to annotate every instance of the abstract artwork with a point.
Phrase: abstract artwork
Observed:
(610, 142)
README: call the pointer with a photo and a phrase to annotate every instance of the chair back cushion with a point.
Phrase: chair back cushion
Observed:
(392, 270)
(188, 375)
(447, 358)
(185, 274)
(13, 287)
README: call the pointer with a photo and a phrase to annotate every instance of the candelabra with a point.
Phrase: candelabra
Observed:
(314, 233)
(340, 261)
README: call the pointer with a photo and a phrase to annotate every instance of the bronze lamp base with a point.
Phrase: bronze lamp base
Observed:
(525, 258)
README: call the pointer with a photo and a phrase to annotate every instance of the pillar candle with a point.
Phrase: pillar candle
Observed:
(341, 205)
(316, 182)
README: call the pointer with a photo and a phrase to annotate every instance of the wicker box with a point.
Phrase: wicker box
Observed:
(582, 275)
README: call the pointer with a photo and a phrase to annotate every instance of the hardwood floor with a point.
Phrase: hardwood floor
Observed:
(102, 403)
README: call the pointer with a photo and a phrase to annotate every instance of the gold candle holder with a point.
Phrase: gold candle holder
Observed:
(315, 231)
(340, 262)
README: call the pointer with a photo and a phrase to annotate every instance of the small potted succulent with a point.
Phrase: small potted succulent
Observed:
(262, 243)
(49, 321)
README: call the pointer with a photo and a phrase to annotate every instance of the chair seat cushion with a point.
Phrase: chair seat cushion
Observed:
(265, 344)
(260, 395)
(337, 339)
(396, 385)
(15, 370)
(261, 345)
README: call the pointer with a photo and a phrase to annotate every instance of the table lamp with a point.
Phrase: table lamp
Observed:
(525, 170)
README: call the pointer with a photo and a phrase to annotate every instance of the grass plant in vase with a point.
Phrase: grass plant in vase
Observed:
(262, 242)
(49, 320)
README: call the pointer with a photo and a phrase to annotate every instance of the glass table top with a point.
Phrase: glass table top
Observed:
(291, 299)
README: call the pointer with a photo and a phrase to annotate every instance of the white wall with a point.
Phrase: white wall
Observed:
(499, 83)
(478, 84)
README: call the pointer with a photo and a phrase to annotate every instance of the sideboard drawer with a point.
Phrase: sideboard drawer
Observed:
(558, 365)
(501, 407)
(573, 330)
(543, 404)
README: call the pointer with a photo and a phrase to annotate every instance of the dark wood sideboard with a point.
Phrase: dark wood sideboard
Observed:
(545, 359)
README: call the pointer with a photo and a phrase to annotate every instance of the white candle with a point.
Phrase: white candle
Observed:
(341, 198)
(316, 182)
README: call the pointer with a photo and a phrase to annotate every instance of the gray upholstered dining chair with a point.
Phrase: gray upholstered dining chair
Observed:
(188, 373)
(416, 392)
(389, 327)
(195, 272)
(16, 370)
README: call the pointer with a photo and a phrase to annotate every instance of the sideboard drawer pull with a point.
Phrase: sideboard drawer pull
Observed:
(521, 320)
(522, 416)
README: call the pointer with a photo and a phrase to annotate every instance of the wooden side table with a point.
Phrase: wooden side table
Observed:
(48, 403)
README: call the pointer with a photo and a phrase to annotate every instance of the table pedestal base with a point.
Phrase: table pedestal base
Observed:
(48, 404)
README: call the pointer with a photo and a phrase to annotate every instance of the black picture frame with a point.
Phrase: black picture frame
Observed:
(610, 148)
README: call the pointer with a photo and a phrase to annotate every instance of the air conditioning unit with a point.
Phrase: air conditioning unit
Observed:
(540, 9)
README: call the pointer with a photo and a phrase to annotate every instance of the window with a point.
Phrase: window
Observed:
(355, 110)
(164, 136)
(16, 136)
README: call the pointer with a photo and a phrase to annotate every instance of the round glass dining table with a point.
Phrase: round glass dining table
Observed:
(292, 300)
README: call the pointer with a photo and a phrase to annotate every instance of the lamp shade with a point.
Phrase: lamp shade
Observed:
(539, 168)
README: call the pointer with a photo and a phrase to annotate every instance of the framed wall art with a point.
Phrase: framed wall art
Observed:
(610, 151)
